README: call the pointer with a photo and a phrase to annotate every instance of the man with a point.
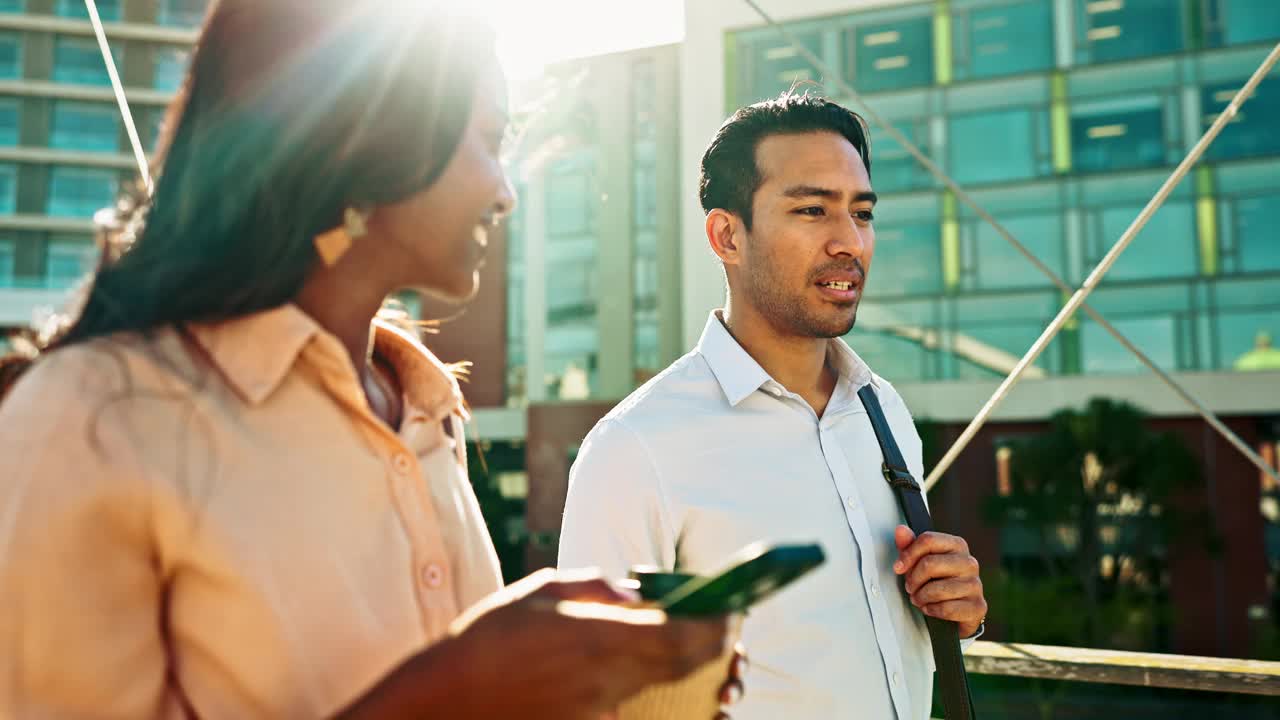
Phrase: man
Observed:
(758, 434)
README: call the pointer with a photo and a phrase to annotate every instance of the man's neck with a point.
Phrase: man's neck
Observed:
(797, 363)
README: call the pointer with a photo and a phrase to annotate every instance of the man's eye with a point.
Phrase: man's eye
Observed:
(814, 211)
(864, 215)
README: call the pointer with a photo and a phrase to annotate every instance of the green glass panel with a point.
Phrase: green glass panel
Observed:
(1004, 39)
(892, 56)
(1258, 233)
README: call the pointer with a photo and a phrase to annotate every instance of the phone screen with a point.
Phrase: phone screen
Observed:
(754, 574)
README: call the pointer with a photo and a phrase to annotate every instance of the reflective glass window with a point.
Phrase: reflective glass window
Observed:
(1253, 131)
(170, 66)
(999, 146)
(1110, 30)
(892, 168)
(770, 64)
(1117, 134)
(999, 265)
(10, 56)
(93, 127)
(908, 259)
(80, 192)
(8, 257)
(1103, 354)
(891, 56)
(108, 10)
(182, 12)
(9, 121)
(78, 60)
(68, 260)
(994, 331)
(1002, 38)
(1258, 233)
(1236, 22)
(8, 188)
(1165, 248)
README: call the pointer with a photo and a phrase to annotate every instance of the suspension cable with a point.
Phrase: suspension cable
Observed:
(982, 213)
(1112, 255)
(139, 155)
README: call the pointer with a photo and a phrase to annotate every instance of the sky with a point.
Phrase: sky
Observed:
(534, 33)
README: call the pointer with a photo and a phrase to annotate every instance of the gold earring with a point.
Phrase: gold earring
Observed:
(332, 245)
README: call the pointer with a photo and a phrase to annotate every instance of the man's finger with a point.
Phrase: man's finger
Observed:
(960, 611)
(930, 543)
(934, 567)
(943, 590)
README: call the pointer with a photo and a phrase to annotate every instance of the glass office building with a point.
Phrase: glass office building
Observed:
(1061, 118)
(64, 150)
(593, 287)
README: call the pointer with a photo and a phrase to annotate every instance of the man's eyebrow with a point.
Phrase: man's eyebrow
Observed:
(804, 191)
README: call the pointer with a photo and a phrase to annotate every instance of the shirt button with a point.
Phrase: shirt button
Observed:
(402, 463)
(897, 679)
(433, 576)
(851, 502)
(875, 590)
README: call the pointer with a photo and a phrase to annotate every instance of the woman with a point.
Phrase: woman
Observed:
(225, 489)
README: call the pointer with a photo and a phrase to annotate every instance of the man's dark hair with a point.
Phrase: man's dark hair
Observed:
(730, 176)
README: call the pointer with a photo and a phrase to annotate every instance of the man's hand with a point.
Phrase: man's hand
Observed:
(941, 577)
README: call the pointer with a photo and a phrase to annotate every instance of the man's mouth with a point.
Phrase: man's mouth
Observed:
(838, 285)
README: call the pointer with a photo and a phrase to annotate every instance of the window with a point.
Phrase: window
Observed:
(1235, 22)
(78, 60)
(772, 65)
(1108, 30)
(900, 335)
(9, 121)
(8, 258)
(1118, 134)
(1165, 248)
(1247, 319)
(1103, 354)
(568, 199)
(1257, 238)
(10, 56)
(994, 331)
(891, 56)
(908, 259)
(8, 189)
(93, 127)
(999, 146)
(998, 265)
(893, 168)
(170, 67)
(994, 38)
(80, 192)
(1253, 131)
(571, 287)
(68, 260)
(182, 12)
(108, 10)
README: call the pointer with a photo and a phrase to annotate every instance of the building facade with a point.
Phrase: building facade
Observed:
(64, 150)
(1061, 118)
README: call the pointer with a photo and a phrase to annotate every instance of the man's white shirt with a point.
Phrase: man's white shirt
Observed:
(712, 455)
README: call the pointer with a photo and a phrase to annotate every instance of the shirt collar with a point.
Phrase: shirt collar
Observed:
(255, 353)
(740, 375)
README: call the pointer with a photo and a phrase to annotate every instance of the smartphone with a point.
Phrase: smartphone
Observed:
(754, 573)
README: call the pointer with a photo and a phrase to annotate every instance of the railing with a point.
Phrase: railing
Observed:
(1251, 677)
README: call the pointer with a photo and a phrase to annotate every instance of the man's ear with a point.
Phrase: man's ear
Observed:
(724, 234)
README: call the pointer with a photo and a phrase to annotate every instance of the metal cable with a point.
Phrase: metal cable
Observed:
(1112, 255)
(981, 212)
(138, 154)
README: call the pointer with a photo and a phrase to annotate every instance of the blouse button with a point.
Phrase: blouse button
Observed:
(402, 463)
(433, 576)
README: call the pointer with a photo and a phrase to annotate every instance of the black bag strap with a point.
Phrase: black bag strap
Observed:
(944, 635)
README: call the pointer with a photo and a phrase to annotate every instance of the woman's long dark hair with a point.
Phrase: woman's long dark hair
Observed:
(292, 111)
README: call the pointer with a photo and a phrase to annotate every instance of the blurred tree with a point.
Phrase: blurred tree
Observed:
(1094, 497)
